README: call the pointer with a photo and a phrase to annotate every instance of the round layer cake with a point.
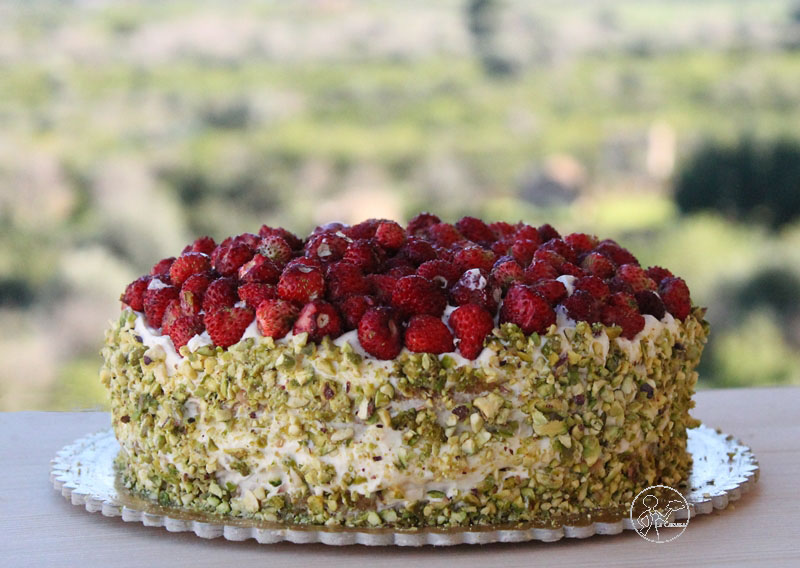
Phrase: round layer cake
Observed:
(375, 375)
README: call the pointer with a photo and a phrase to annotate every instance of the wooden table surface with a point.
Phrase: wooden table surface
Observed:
(38, 527)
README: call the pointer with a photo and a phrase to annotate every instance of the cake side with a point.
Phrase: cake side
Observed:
(538, 426)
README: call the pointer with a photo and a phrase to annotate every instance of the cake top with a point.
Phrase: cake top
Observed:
(432, 286)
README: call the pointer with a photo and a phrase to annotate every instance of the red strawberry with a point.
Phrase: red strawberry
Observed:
(615, 253)
(362, 254)
(301, 284)
(327, 247)
(248, 239)
(550, 257)
(444, 234)
(476, 287)
(527, 232)
(471, 324)
(228, 258)
(363, 230)
(581, 242)
(416, 251)
(582, 306)
(226, 325)
(401, 269)
(276, 317)
(184, 328)
(192, 293)
(474, 257)
(221, 293)
(206, 245)
(551, 290)
(560, 247)
(428, 334)
(379, 333)
(294, 241)
(441, 272)
(650, 303)
(345, 279)
(414, 295)
(675, 294)
(571, 269)
(134, 293)
(540, 270)
(186, 265)
(502, 230)
(506, 271)
(598, 265)
(475, 230)
(161, 268)
(547, 232)
(390, 236)
(623, 311)
(318, 319)
(502, 247)
(382, 286)
(260, 269)
(303, 261)
(634, 276)
(172, 313)
(527, 309)
(276, 249)
(156, 299)
(523, 250)
(419, 224)
(594, 286)
(352, 309)
(253, 293)
(658, 274)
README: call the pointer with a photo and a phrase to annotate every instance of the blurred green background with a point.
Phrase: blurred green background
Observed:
(129, 128)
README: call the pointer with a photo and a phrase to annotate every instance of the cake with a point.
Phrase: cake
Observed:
(374, 375)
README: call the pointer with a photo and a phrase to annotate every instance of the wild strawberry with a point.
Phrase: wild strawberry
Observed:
(345, 279)
(562, 248)
(502, 230)
(540, 270)
(275, 317)
(475, 230)
(401, 269)
(523, 250)
(550, 257)
(301, 284)
(524, 307)
(327, 247)
(419, 224)
(476, 287)
(221, 293)
(352, 309)
(318, 319)
(161, 268)
(206, 245)
(225, 326)
(441, 272)
(414, 295)
(382, 286)
(248, 239)
(134, 293)
(618, 255)
(227, 259)
(474, 257)
(293, 240)
(551, 290)
(581, 242)
(650, 303)
(634, 276)
(329, 229)
(303, 261)
(526, 232)
(598, 265)
(428, 334)
(582, 306)
(184, 328)
(186, 265)
(595, 286)
(502, 247)
(506, 271)
(276, 249)
(571, 270)
(379, 334)
(416, 251)
(471, 324)
(675, 294)
(363, 230)
(171, 314)
(362, 254)
(623, 311)
(444, 234)
(390, 236)
(658, 274)
(259, 269)
(192, 293)
(253, 293)
(156, 299)
(547, 232)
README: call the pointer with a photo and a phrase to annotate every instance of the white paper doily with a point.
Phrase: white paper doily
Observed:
(84, 473)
